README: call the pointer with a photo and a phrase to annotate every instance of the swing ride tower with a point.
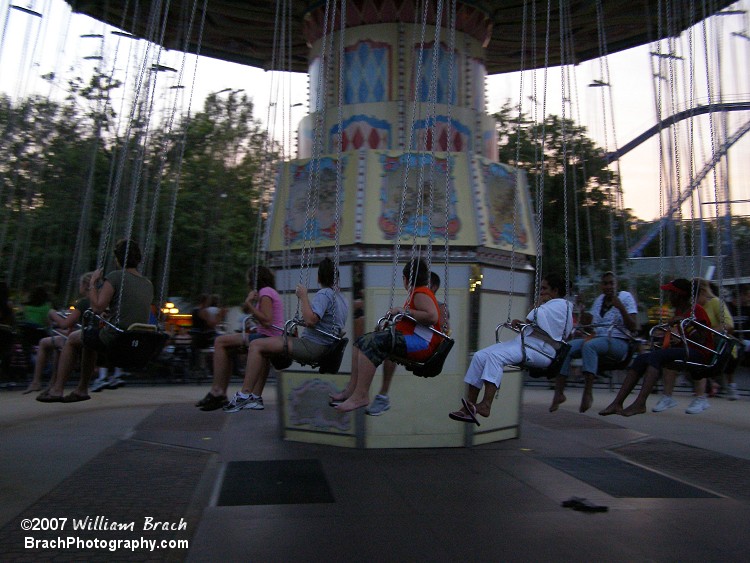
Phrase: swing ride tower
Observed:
(401, 159)
(397, 156)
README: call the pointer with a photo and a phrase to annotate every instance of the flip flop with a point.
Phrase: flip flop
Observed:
(471, 409)
(47, 398)
(460, 416)
(335, 402)
(74, 397)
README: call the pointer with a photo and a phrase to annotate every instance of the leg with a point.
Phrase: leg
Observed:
(360, 396)
(258, 362)
(559, 397)
(389, 367)
(88, 366)
(46, 346)
(66, 362)
(575, 352)
(632, 377)
(224, 347)
(639, 405)
(486, 370)
(382, 403)
(352, 383)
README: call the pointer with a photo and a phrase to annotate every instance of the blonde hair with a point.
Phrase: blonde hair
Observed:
(704, 286)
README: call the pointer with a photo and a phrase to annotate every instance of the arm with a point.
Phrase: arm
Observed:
(264, 312)
(630, 320)
(100, 292)
(310, 318)
(64, 322)
(424, 310)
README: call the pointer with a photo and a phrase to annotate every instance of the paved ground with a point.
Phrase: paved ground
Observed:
(146, 452)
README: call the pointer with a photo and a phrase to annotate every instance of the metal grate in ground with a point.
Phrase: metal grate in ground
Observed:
(127, 482)
(727, 475)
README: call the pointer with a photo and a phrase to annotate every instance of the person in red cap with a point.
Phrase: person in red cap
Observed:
(650, 365)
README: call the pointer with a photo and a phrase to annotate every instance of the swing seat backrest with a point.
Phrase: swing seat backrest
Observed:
(553, 369)
(533, 332)
(328, 362)
(434, 364)
(134, 348)
(7, 340)
(430, 367)
(717, 357)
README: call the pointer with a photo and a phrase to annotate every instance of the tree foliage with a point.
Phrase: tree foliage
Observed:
(68, 171)
(577, 188)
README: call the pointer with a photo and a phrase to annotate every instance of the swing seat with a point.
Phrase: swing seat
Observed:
(7, 340)
(560, 347)
(430, 367)
(131, 349)
(328, 362)
(717, 357)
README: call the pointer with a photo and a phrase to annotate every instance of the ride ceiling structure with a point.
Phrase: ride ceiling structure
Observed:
(243, 32)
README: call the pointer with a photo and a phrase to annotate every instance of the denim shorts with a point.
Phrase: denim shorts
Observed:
(379, 345)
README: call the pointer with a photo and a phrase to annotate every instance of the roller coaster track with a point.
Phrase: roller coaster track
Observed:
(637, 249)
(671, 120)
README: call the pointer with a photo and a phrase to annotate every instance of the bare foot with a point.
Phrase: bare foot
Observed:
(482, 409)
(586, 402)
(633, 410)
(611, 409)
(32, 389)
(556, 402)
(343, 396)
(352, 404)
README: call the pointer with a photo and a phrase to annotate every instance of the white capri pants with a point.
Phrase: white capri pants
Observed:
(488, 363)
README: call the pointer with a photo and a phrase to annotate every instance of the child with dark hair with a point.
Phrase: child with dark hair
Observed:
(414, 341)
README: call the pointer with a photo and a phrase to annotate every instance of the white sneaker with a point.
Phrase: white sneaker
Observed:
(666, 402)
(697, 405)
(732, 394)
(379, 405)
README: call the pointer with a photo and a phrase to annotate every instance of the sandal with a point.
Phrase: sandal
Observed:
(74, 397)
(47, 398)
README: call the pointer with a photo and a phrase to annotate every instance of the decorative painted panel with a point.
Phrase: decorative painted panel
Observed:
(501, 198)
(311, 205)
(445, 71)
(410, 178)
(425, 137)
(361, 132)
(367, 68)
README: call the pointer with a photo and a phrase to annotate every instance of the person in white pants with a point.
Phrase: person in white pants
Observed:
(554, 315)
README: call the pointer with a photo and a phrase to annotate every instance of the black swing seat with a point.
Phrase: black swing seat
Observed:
(328, 362)
(134, 348)
(530, 332)
(7, 340)
(430, 367)
(717, 357)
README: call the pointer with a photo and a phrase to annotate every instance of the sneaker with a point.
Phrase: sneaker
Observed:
(666, 402)
(213, 402)
(98, 385)
(697, 405)
(238, 403)
(257, 405)
(205, 400)
(115, 383)
(732, 393)
(379, 405)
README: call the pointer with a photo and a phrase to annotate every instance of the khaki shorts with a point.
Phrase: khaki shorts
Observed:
(305, 351)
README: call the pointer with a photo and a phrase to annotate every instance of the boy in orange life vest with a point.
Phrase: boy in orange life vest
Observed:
(413, 341)
(649, 365)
